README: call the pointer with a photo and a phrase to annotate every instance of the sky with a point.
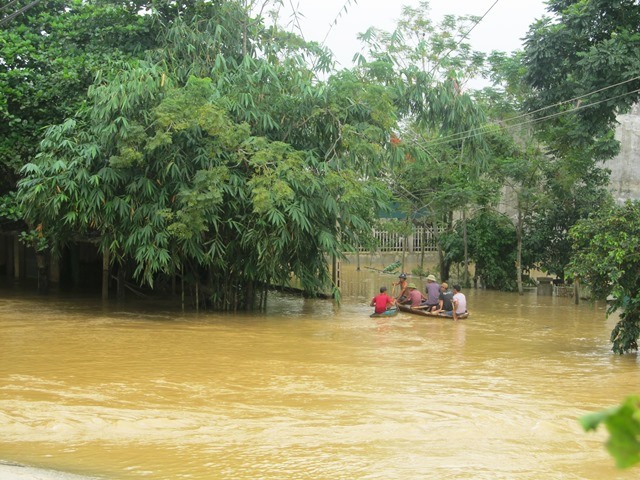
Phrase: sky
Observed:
(503, 27)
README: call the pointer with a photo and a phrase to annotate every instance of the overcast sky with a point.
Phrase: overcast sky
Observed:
(501, 29)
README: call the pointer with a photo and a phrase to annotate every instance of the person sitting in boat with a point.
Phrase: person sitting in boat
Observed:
(415, 296)
(459, 303)
(382, 301)
(404, 288)
(433, 293)
(445, 300)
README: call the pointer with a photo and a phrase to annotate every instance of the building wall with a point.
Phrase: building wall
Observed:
(625, 168)
(624, 183)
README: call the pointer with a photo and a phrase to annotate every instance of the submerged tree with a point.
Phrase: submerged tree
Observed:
(606, 256)
(220, 160)
(582, 65)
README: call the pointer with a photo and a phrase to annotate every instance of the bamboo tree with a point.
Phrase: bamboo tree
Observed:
(237, 171)
(428, 64)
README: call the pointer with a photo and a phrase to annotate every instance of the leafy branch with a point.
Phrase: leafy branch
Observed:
(623, 424)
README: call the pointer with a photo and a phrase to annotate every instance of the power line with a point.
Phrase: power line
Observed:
(11, 3)
(575, 99)
(10, 17)
(475, 131)
(462, 38)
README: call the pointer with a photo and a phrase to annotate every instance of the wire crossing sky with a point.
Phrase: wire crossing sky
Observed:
(336, 23)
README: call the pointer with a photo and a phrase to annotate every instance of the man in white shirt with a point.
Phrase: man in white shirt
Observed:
(459, 302)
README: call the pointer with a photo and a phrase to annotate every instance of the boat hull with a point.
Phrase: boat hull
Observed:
(392, 312)
(425, 313)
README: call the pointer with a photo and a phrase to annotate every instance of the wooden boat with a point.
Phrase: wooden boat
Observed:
(389, 313)
(425, 313)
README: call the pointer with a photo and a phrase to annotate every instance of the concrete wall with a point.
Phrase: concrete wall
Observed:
(624, 182)
(625, 168)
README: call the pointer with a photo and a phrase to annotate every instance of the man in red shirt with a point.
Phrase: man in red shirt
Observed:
(415, 296)
(382, 301)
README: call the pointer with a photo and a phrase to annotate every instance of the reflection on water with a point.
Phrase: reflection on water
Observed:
(310, 389)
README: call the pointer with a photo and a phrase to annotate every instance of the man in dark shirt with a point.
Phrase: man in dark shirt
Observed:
(445, 301)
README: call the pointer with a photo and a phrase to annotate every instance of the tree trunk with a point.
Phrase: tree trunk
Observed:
(197, 295)
(105, 273)
(43, 273)
(519, 253)
(250, 298)
(122, 278)
(182, 286)
(465, 278)
(334, 271)
(445, 266)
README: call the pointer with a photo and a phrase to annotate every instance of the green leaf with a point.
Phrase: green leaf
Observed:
(623, 425)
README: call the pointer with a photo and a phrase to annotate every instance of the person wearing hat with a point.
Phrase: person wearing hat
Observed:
(415, 296)
(404, 290)
(433, 293)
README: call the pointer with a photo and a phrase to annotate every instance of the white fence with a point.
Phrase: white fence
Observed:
(395, 242)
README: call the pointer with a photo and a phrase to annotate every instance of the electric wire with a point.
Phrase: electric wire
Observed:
(574, 99)
(13, 15)
(462, 38)
(11, 3)
(478, 130)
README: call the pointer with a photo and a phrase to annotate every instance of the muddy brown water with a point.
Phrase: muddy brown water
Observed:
(309, 390)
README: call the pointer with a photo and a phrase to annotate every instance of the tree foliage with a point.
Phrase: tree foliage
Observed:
(623, 424)
(426, 64)
(231, 167)
(584, 67)
(492, 242)
(606, 256)
(567, 199)
(49, 56)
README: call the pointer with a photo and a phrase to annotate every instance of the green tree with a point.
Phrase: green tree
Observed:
(229, 165)
(582, 66)
(606, 256)
(492, 248)
(50, 54)
(569, 198)
(519, 161)
(427, 65)
(519, 167)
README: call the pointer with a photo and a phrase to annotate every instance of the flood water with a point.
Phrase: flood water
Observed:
(309, 390)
